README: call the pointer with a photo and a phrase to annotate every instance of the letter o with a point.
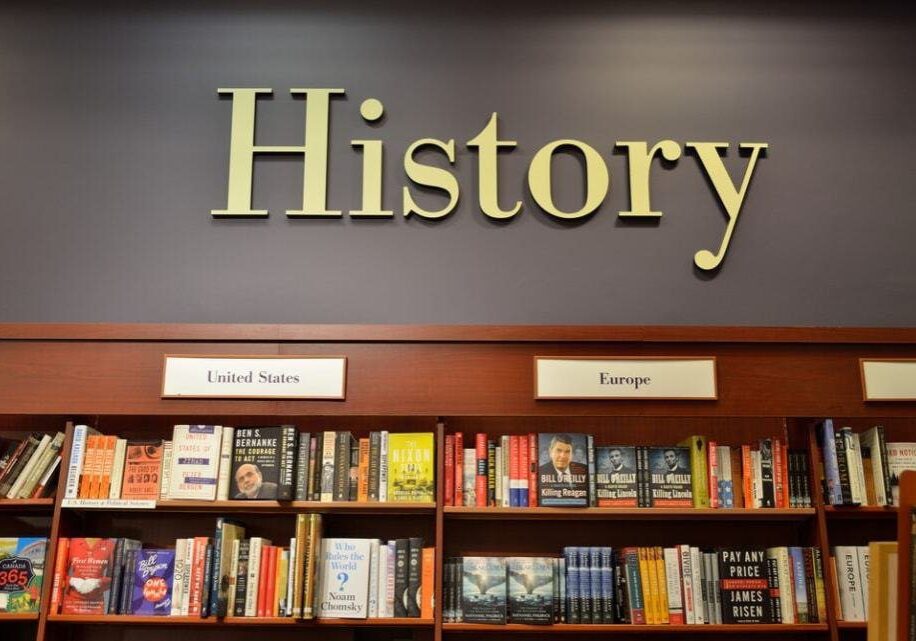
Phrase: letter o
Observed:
(597, 179)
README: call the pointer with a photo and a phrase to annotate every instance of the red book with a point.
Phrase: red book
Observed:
(88, 580)
(532, 470)
(712, 468)
(197, 575)
(459, 468)
(262, 582)
(748, 472)
(60, 574)
(270, 592)
(523, 471)
(514, 472)
(480, 480)
(777, 474)
(449, 469)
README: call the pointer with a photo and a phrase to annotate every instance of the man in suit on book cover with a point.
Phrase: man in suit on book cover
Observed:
(673, 463)
(251, 484)
(618, 462)
(561, 467)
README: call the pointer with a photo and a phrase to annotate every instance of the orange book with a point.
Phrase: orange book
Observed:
(748, 473)
(644, 578)
(60, 574)
(271, 594)
(142, 469)
(263, 581)
(197, 575)
(658, 559)
(362, 485)
(105, 466)
(428, 584)
(88, 462)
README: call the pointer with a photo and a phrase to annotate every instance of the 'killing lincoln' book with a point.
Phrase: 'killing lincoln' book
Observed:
(744, 586)
(563, 470)
(483, 589)
(531, 590)
(669, 477)
(616, 478)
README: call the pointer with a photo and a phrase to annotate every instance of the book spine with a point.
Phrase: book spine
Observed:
(773, 589)
(515, 472)
(532, 458)
(117, 472)
(504, 492)
(480, 476)
(186, 577)
(585, 586)
(885, 467)
(383, 469)
(642, 483)
(672, 575)
(834, 493)
(635, 596)
(449, 470)
(206, 580)
(129, 582)
(592, 489)
(178, 576)
(427, 583)
(686, 578)
(699, 474)
(117, 576)
(302, 467)
(401, 574)
(341, 489)
(713, 470)
(373, 579)
(14, 484)
(594, 588)
(820, 589)
(362, 489)
(327, 467)
(196, 582)
(255, 551)
(414, 576)
(166, 475)
(797, 561)
(459, 469)
(41, 466)
(843, 467)
(573, 599)
(223, 483)
(214, 577)
(491, 473)
(288, 452)
(606, 564)
(767, 487)
(61, 564)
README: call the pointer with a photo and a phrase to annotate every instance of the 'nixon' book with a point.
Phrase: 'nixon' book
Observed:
(411, 468)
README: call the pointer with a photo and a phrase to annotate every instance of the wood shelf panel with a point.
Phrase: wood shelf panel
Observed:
(18, 616)
(12, 505)
(271, 507)
(866, 512)
(851, 625)
(129, 619)
(635, 514)
(567, 628)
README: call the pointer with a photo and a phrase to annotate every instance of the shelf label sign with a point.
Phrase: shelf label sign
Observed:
(892, 379)
(257, 377)
(597, 378)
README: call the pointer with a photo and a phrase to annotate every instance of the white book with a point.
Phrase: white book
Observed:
(900, 457)
(383, 468)
(27, 470)
(117, 468)
(696, 566)
(373, 578)
(344, 578)
(849, 582)
(290, 577)
(77, 454)
(856, 468)
(470, 474)
(686, 576)
(225, 464)
(254, 574)
(165, 478)
(869, 439)
(382, 581)
(233, 572)
(863, 575)
(178, 576)
(505, 497)
(786, 585)
(328, 449)
(195, 462)
(673, 584)
(43, 481)
(41, 466)
(186, 578)
(714, 586)
(389, 580)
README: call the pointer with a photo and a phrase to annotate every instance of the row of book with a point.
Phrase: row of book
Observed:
(213, 462)
(850, 564)
(639, 585)
(29, 468)
(230, 575)
(862, 468)
(563, 469)
(22, 563)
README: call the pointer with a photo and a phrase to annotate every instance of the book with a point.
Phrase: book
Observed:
(89, 572)
(671, 482)
(563, 470)
(142, 470)
(882, 591)
(744, 586)
(195, 462)
(77, 456)
(122, 548)
(531, 590)
(344, 578)
(414, 576)
(256, 461)
(22, 564)
(411, 467)
(697, 461)
(483, 590)
(224, 480)
(900, 457)
(153, 578)
(615, 482)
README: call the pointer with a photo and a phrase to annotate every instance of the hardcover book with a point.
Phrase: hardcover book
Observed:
(744, 586)
(563, 470)
(344, 578)
(670, 480)
(142, 470)
(900, 457)
(22, 564)
(531, 590)
(411, 468)
(256, 462)
(89, 573)
(153, 576)
(615, 481)
(483, 591)
(195, 462)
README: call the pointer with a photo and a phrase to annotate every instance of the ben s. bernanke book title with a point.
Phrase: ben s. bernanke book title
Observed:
(563, 470)
(261, 462)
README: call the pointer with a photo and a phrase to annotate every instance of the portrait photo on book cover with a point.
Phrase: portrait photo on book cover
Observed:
(250, 483)
(669, 460)
(616, 460)
(563, 458)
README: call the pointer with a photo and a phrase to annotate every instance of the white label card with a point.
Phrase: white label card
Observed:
(294, 377)
(889, 380)
(692, 378)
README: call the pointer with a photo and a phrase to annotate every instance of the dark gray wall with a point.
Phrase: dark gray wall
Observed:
(114, 148)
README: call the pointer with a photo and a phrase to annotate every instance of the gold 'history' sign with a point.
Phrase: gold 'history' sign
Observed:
(242, 150)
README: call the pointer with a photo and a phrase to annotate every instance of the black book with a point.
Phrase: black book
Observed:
(122, 547)
(813, 615)
(794, 498)
(341, 485)
(483, 590)
(256, 462)
(375, 450)
(302, 466)
(555, 571)
(768, 498)
(241, 579)
(353, 470)
(401, 573)
(414, 575)
(17, 466)
(563, 470)
(532, 595)
(843, 467)
(288, 452)
(315, 466)
(208, 577)
(128, 581)
(491, 472)
(643, 494)
(744, 586)
(773, 583)
(621, 594)
(670, 477)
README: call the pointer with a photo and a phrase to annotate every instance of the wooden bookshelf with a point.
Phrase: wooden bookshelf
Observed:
(18, 616)
(773, 382)
(852, 625)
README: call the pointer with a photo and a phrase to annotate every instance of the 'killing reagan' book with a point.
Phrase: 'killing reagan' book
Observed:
(616, 478)
(563, 470)
(670, 480)
(263, 460)
(483, 590)
(344, 578)
(24, 559)
(531, 590)
(744, 586)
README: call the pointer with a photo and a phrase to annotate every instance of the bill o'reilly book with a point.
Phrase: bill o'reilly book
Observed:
(669, 477)
(562, 470)
(744, 586)
(616, 476)
(258, 455)
(483, 589)
(531, 590)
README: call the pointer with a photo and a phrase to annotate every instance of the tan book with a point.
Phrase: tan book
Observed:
(313, 548)
(362, 484)
(302, 525)
(882, 591)
(870, 496)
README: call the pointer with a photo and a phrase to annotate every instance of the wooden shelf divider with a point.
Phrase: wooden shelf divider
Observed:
(568, 628)
(268, 507)
(180, 621)
(633, 514)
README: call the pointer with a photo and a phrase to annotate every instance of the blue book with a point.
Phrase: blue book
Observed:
(153, 577)
(797, 556)
(607, 584)
(585, 586)
(573, 600)
(831, 467)
(594, 563)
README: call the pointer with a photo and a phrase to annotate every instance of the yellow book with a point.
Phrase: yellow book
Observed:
(280, 583)
(411, 468)
(882, 591)
(312, 550)
(647, 579)
(658, 558)
(699, 481)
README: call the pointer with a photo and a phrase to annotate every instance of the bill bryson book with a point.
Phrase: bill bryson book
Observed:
(344, 578)
(411, 468)
(89, 574)
(744, 586)
(616, 476)
(142, 470)
(195, 462)
(563, 470)
(153, 576)
(257, 462)
(22, 563)
(670, 480)
(483, 589)
(531, 590)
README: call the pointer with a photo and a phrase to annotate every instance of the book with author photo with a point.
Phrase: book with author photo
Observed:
(670, 477)
(563, 470)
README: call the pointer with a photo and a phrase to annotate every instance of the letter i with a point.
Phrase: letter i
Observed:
(371, 110)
